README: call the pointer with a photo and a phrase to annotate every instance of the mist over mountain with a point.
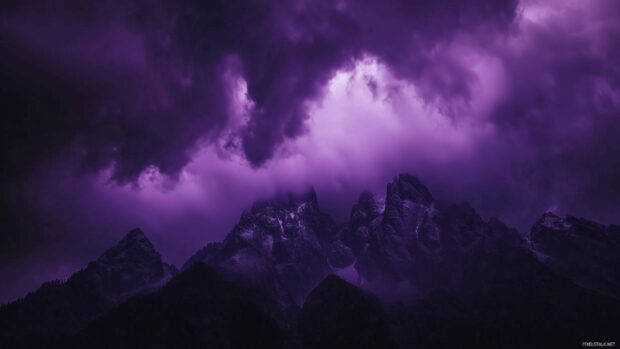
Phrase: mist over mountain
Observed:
(419, 273)
(175, 117)
(368, 173)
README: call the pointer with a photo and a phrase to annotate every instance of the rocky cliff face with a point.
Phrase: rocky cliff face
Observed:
(463, 276)
(584, 251)
(61, 308)
(413, 238)
(286, 246)
(130, 266)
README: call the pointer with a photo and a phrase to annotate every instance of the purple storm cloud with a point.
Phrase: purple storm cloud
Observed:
(176, 116)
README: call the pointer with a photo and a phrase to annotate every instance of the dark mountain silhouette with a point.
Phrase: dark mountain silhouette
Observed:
(523, 305)
(59, 308)
(337, 314)
(584, 251)
(196, 309)
(444, 278)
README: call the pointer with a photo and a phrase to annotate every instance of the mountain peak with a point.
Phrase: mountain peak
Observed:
(134, 256)
(367, 208)
(409, 187)
(333, 282)
(337, 314)
(550, 220)
(135, 234)
(371, 203)
(133, 245)
(62, 308)
(567, 243)
(131, 264)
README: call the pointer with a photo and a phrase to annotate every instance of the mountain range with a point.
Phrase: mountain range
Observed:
(405, 271)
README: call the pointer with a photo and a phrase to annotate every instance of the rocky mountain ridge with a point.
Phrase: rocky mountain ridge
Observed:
(461, 274)
(60, 308)
(285, 246)
(582, 250)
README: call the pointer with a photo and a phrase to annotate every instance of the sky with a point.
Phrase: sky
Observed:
(175, 116)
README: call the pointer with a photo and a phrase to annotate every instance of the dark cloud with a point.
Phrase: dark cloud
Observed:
(511, 106)
(137, 84)
(134, 85)
(121, 97)
(561, 105)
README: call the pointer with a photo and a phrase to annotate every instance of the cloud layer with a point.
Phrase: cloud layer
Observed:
(175, 116)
